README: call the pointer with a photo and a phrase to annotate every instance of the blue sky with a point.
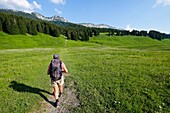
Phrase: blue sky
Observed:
(122, 14)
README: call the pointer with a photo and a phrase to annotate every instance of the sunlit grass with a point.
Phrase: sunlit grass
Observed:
(131, 42)
(29, 41)
(120, 80)
(111, 74)
(23, 79)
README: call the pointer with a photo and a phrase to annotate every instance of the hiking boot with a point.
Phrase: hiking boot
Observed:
(59, 94)
(56, 104)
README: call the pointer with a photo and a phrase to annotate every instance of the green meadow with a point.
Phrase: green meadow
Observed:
(125, 74)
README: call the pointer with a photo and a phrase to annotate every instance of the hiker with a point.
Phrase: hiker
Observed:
(55, 70)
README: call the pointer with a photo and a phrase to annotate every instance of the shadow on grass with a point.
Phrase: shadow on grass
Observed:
(24, 88)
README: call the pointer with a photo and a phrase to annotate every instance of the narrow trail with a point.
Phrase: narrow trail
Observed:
(67, 101)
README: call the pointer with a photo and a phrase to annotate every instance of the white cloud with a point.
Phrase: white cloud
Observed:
(162, 3)
(35, 5)
(129, 28)
(58, 1)
(22, 5)
(58, 12)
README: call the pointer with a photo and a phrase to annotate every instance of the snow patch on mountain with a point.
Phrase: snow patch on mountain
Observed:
(96, 25)
(53, 18)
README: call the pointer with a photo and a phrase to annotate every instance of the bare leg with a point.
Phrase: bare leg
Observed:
(56, 95)
(60, 89)
(60, 84)
(55, 91)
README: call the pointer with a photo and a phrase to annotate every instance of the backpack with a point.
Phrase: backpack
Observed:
(56, 69)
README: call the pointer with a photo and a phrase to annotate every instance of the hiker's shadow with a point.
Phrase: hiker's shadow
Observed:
(24, 88)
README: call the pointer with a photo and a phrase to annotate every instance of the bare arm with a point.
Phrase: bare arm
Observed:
(64, 69)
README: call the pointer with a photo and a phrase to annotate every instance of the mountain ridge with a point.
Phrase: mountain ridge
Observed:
(54, 19)
(96, 25)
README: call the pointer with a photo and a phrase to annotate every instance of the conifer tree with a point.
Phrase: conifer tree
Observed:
(56, 32)
(68, 34)
(90, 33)
(46, 29)
(82, 36)
(73, 35)
(10, 25)
(39, 27)
(33, 28)
(86, 36)
(1, 25)
(22, 26)
(96, 32)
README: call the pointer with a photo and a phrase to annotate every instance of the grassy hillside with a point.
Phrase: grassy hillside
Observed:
(138, 42)
(29, 41)
(111, 74)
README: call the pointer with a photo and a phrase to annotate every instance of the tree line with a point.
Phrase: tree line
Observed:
(152, 33)
(14, 25)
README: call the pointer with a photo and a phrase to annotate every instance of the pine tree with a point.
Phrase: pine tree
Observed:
(86, 36)
(74, 35)
(10, 25)
(90, 33)
(46, 29)
(22, 26)
(28, 26)
(39, 27)
(1, 25)
(33, 28)
(96, 32)
(68, 34)
(56, 32)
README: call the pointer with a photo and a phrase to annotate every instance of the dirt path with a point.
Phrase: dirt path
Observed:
(68, 100)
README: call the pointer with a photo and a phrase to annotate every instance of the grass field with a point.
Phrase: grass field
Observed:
(131, 42)
(111, 74)
(29, 41)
